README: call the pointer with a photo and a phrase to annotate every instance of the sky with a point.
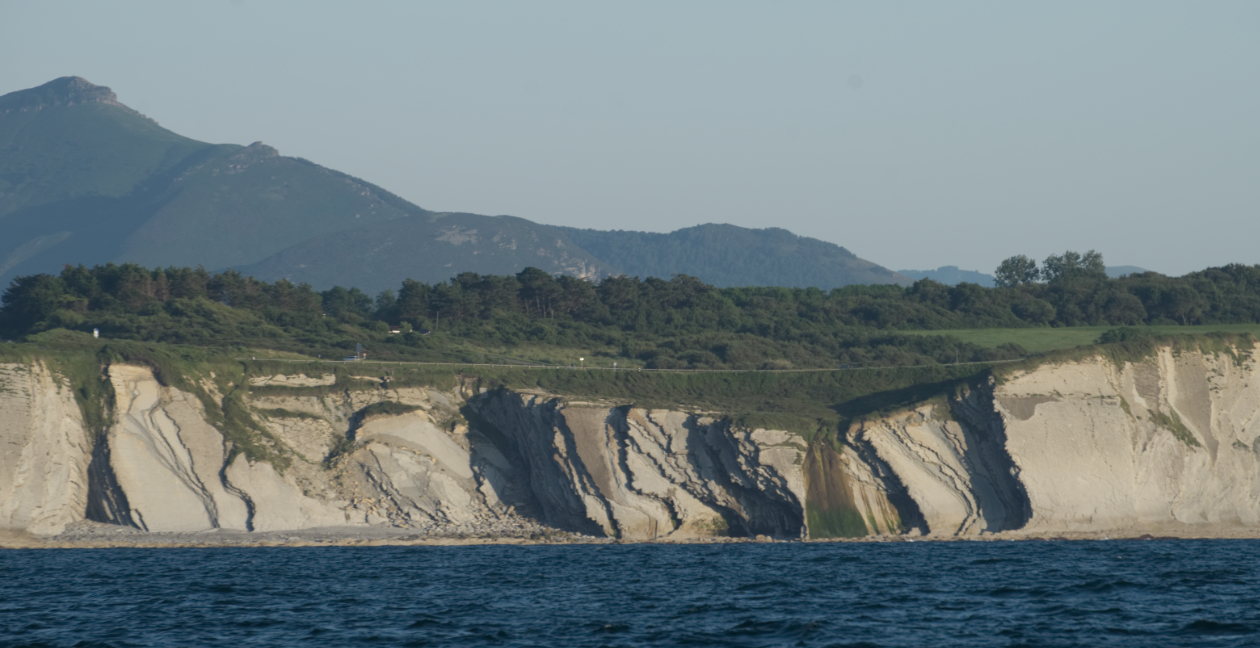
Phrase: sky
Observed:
(914, 134)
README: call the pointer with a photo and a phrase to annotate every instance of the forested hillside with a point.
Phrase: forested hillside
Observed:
(681, 322)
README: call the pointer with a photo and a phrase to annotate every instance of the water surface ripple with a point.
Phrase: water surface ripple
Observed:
(1113, 593)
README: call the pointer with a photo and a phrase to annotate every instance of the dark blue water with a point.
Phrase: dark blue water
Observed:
(1134, 593)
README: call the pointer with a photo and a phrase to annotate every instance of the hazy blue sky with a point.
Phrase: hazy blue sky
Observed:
(915, 134)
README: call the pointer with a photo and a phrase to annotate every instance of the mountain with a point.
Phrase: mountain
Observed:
(429, 248)
(1120, 271)
(727, 255)
(951, 276)
(69, 139)
(86, 180)
(439, 246)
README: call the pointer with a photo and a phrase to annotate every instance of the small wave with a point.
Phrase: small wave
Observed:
(258, 623)
(425, 622)
(1131, 632)
(612, 628)
(835, 559)
(1209, 627)
(779, 630)
(1100, 585)
(775, 584)
(995, 561)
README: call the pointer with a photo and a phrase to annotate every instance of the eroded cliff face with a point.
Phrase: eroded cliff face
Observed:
(530, 459)
(954, 471)
(44, 451)
(644, 474)
(167, 469)
(1165, 444)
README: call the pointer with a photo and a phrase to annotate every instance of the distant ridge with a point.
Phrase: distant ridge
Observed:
(1120, 271)
(951, 276)
(437, 247)
(429, 248)
(728, 255)
(86, 180)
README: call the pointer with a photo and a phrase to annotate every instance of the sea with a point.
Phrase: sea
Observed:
(1026, 593)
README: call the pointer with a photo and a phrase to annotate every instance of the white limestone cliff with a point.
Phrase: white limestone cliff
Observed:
(166, 459)
(1158, 445)
(44, 451)
(1167, 444)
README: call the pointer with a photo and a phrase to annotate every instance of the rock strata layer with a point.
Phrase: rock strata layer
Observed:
(1167, 444)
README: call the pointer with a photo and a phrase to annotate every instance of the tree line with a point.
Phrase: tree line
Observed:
(676, 322)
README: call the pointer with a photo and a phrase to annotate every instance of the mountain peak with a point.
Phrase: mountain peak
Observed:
(65, 91)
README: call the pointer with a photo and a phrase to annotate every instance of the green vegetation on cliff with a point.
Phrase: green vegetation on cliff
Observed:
(830, 509)
(1045, 339)
(807, 402)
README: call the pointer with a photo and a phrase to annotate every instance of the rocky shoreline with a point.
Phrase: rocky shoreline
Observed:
(95, 535)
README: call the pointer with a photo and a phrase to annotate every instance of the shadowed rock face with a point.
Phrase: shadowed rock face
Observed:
(643, 474)
(1161, 445)
(1022, 408)
(956, 470)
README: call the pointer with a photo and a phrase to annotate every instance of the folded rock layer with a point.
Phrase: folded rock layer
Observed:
(1167, 443)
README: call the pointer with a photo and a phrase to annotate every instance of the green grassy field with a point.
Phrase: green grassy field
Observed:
(1041, 340)
(550, 355)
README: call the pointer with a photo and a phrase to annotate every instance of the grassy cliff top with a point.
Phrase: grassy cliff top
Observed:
(808, 403)
(1046, 339)
(804, 402)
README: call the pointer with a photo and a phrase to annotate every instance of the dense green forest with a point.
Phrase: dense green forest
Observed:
(658, 323)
